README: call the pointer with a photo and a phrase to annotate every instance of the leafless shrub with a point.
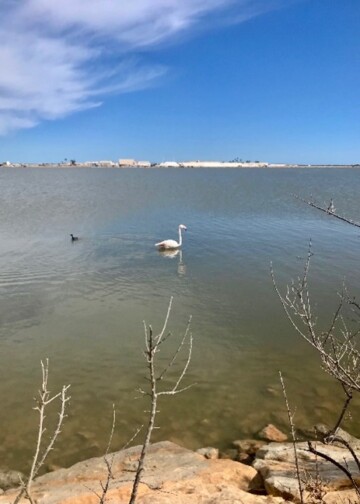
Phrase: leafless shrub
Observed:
(152, 348)
(338, 350)
(109, 461)
(337, 346)
(41, 452)
(314, 486)
(344, 468)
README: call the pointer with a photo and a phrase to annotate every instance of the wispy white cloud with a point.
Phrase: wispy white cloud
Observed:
(56, 57)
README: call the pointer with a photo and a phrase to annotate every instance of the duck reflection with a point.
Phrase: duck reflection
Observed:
(171, 254)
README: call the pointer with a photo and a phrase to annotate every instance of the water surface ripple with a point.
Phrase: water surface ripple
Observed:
(82, 304)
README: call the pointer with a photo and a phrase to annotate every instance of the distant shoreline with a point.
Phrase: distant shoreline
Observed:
(158, 166)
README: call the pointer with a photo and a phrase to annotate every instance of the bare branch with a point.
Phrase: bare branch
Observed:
(175, 390)
(330, 210)
(42, 402)
(109, 460)
(128, 443)
(293, 436)
(161, 334)
(335, 463)
(64, 400)
(348, 398)
(337, 346)
(166, 369)
(339, 439)
(152, 348)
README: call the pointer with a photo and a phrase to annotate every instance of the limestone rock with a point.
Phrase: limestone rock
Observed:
(322, 431)
(9, 479)
(249, 446)
(276, 464)
(229, 453)
(173, 475)
(246, 449)
(341, 497)
(272, 433)
(209, 452)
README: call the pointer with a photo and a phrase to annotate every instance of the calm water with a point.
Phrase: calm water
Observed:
(82, 304)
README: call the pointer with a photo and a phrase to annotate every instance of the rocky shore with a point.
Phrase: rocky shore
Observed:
(253, 471)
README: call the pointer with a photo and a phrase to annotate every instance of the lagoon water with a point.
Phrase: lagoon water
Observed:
(82, 304)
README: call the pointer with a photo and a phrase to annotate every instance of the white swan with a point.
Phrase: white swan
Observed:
(171, 244)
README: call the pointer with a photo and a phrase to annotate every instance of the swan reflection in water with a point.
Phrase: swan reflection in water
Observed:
(171, 254)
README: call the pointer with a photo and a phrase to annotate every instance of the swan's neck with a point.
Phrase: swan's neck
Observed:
(180, 237)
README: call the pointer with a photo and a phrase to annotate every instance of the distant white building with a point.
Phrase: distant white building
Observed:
(127, 162)
(106, 163)
(143, 164)
(221, 164)
(169, 164)
(207, 164)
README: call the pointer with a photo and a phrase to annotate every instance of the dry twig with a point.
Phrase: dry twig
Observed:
(109, 460)
(152, 347)
(293, 436)
(45, 398)
(330, 210)
(314, 486)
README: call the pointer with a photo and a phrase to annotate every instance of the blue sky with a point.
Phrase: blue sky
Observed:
(271, 80)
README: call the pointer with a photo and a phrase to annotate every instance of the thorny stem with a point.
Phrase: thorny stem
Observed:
(152, 344)
(166, 369)
(108, 462)
(44, 400)
(64, 400)
(150, 358)
(175, 389)
(160, 336)
(293, 436)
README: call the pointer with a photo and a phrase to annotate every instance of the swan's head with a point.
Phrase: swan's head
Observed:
(182, 226)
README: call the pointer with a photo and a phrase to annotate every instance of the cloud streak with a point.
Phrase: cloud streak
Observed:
(58, 58)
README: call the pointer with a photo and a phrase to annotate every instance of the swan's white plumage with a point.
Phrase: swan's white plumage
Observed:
(171, 244)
